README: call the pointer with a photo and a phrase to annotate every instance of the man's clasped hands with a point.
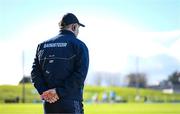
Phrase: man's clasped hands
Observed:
(50, 96)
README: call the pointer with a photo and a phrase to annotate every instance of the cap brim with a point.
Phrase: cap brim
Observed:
(81, 25)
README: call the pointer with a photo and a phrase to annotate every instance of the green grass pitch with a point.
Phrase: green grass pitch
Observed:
(127, 108)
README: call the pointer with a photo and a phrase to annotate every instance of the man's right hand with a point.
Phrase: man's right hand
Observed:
(50, 96)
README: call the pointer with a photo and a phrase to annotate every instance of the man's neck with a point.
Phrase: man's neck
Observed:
(68, 29)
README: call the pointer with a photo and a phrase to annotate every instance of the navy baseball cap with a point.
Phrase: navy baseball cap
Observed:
(70, 18)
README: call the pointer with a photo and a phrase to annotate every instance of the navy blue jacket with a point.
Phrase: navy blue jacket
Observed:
(61, 63)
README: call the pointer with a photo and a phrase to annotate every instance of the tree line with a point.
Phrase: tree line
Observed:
(139, 80)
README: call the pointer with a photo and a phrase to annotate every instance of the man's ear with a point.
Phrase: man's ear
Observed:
(74, 27)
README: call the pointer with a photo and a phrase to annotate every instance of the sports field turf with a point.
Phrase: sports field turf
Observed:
(129, 108)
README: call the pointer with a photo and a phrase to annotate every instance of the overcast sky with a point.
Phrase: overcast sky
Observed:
(117, 32)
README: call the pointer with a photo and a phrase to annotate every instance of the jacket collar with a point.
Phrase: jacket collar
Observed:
(67, 32)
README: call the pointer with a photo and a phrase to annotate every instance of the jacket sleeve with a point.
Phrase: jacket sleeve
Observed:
(77, 78)
(36, 75)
